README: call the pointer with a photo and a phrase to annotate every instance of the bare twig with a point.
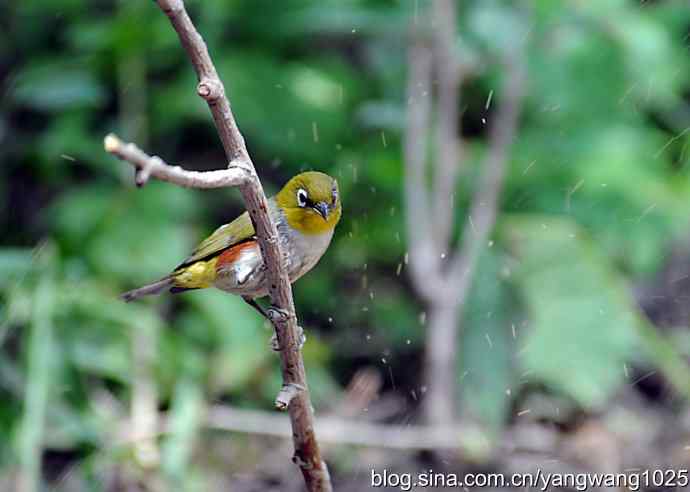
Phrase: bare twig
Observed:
(333, 429)
(241, 173)
(344, 431)
(144, 400)
(210, 86)
(147, 166)
(485, 202)
(448, 128)
(364, 387)
(423, 258)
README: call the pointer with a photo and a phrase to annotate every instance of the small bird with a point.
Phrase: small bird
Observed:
(305, 212)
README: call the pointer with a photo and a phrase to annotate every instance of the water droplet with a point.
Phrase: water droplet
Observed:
(488, 99)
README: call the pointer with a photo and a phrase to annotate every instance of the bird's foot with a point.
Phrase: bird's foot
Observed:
(301, 339)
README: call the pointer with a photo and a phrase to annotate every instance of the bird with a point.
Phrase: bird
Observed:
(306, 211)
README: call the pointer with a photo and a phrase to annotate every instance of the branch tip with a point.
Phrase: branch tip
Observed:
(111, 143)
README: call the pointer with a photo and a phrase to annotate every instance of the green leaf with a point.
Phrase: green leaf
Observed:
(234, 332)
(583, 321)
(185, 420)
(15, 263)
(40, 378)
(50, 85)
(486, 373)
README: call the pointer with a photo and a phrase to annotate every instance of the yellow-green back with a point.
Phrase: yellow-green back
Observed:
(225, 236)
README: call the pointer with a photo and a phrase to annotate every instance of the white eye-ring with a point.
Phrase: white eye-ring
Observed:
(302, 197)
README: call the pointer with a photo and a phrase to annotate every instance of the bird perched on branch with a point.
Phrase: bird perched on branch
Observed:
(305, 212)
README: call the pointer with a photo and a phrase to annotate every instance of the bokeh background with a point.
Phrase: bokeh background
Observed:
(573, 348)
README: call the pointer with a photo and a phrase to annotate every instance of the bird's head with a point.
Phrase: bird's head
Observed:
(311, 202)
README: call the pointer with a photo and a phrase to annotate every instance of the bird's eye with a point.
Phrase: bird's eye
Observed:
(335, 195)
(302, 197)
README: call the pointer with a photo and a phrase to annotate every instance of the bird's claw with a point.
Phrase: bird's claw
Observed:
(277, 314)
(301, 339)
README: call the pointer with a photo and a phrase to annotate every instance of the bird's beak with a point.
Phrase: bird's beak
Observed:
(322, 209)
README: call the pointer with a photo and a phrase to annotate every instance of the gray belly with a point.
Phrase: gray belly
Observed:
(247, 275)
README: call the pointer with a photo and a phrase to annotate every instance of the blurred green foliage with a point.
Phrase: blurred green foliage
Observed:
(595, 197)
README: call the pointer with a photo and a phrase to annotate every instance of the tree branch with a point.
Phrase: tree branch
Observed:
(423, 255)
(484, 206)
(344, 431)
(447, 162)
(332, 429)
(444, 286)
(210, 86)
(147, 166)
(241, 173)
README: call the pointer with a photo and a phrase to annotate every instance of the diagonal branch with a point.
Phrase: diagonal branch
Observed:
(485, 202)
(210, 86)
(241, 173)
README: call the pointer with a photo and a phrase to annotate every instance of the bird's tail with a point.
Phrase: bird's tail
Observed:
(147, 290)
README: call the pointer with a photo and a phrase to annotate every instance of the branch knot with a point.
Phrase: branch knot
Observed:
(210, 89)
(286, 394)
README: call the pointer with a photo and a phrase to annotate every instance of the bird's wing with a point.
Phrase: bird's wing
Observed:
(239, 230)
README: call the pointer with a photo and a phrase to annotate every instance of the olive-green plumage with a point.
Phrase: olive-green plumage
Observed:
(306, 211)
(225, 236)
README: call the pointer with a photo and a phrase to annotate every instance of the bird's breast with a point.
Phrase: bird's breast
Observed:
(305, 250)
(240, 269)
